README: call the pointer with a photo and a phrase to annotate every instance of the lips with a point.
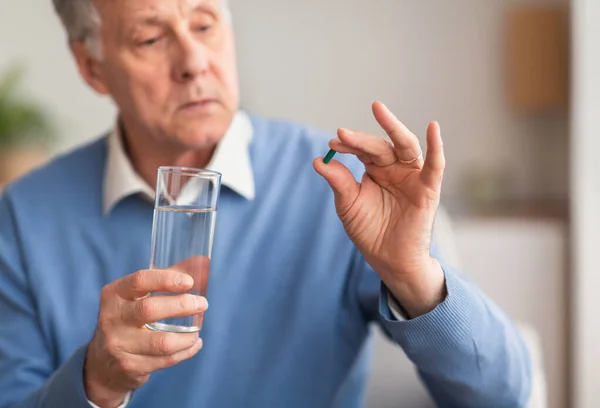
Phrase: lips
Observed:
(197, 103)
(202, 106)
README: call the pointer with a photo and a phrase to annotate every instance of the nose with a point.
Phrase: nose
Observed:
(192, 60)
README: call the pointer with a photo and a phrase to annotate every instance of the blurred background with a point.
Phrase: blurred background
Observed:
(515, 85)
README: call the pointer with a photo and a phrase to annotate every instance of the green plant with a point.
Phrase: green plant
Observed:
(22, 121)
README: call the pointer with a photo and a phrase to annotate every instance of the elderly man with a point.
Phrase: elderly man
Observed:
(292, 289)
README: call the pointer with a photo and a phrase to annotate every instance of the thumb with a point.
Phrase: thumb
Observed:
(341, 180)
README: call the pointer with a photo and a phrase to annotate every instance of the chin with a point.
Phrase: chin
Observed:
(202, 133)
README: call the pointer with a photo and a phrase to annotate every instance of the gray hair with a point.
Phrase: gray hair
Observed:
(82, 22)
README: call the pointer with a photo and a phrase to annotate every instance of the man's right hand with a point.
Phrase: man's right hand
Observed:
(123, 352)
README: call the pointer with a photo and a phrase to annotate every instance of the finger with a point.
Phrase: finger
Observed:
(198, 267)
(178, 357)
(156, 343)
(340, 147)
(405, 142)
(154, 308)
(345, 187)
(433, 169)
(140, 364)
(141, 283)
(380, 151)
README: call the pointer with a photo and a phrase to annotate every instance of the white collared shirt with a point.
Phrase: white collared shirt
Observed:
(231, 159)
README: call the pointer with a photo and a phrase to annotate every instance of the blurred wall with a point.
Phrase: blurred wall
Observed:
(30, 33)
(325, 62)
(586, 202)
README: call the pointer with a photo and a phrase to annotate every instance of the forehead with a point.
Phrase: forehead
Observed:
(140, 11)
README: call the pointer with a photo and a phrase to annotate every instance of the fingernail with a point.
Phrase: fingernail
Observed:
(201, 304)
(184, 280)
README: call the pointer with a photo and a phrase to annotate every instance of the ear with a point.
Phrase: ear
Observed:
(90, 68)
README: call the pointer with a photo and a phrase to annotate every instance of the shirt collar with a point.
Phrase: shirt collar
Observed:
(231, 158)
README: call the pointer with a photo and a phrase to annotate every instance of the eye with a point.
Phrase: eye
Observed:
(150, 41)
(203, 28)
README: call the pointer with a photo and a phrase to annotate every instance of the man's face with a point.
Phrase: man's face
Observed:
(170, 67)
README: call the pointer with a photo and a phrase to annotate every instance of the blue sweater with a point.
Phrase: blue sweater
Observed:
(291, 300)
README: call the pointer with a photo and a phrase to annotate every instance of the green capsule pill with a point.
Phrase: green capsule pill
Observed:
(329, 156)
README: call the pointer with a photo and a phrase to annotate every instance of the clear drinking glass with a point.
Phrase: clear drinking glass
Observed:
(185, 211)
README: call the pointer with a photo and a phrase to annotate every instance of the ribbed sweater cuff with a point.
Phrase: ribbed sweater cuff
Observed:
(444, 331)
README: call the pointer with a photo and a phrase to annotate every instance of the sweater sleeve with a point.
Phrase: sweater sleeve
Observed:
(28, 374)
(467, 351)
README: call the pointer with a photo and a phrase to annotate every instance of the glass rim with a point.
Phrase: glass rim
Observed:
(189, 171)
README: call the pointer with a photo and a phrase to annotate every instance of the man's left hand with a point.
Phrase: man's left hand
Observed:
(389, 215)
